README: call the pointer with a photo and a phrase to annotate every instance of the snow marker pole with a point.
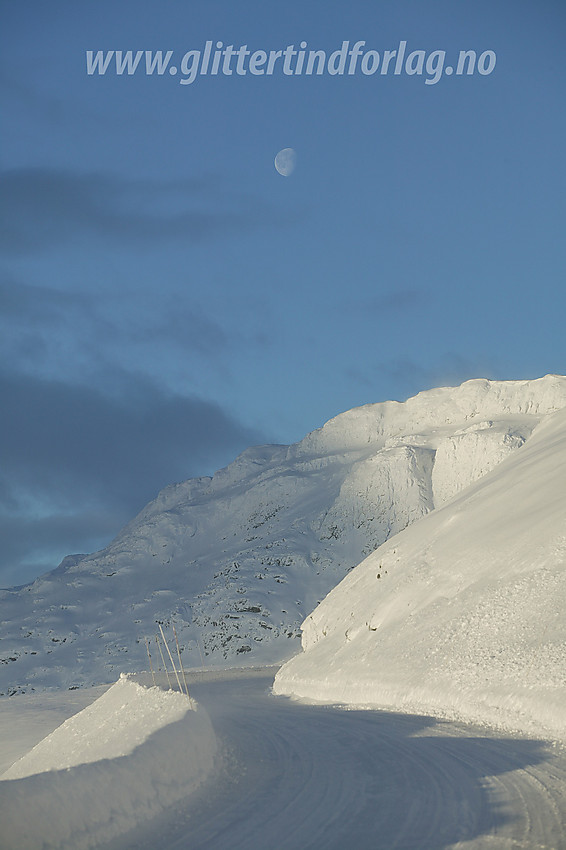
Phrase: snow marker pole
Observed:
(163, 661)
(180, 662)
(171, 658)
(150, 664)
(200, 653)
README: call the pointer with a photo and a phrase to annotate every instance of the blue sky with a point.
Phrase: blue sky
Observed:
(167, 298)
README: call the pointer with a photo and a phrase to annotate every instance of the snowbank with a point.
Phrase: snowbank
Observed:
(461, 614)
(123, 759)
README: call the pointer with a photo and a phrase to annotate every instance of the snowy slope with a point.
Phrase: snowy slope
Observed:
(121, 760)
(238, 560)
(464, 612)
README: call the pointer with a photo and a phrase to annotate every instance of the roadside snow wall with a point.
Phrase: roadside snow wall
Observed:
(121, 760)
(463, 613)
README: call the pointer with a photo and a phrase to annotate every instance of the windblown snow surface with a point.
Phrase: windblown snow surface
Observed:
(237, 561)
(120, 761)
(462, 614)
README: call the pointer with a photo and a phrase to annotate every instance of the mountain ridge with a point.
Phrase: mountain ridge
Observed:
(238, 560)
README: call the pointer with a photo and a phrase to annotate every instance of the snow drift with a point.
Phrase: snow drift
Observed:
(237, 561)
(124, 758)
(463, 613)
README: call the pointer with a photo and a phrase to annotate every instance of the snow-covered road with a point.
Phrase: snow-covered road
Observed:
(293, 776)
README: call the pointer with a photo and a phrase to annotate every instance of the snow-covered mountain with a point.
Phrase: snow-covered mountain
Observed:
(237, 561)
(463, 613)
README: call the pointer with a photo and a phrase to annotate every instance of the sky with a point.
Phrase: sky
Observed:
(167, 298)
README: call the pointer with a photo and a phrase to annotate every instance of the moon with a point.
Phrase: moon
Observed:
(285, 161)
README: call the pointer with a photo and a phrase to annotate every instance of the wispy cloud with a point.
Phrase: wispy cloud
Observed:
(385, 302)
(449, 370)
(71, 451)
(94, 421)
(42, 207)
(76, 334)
